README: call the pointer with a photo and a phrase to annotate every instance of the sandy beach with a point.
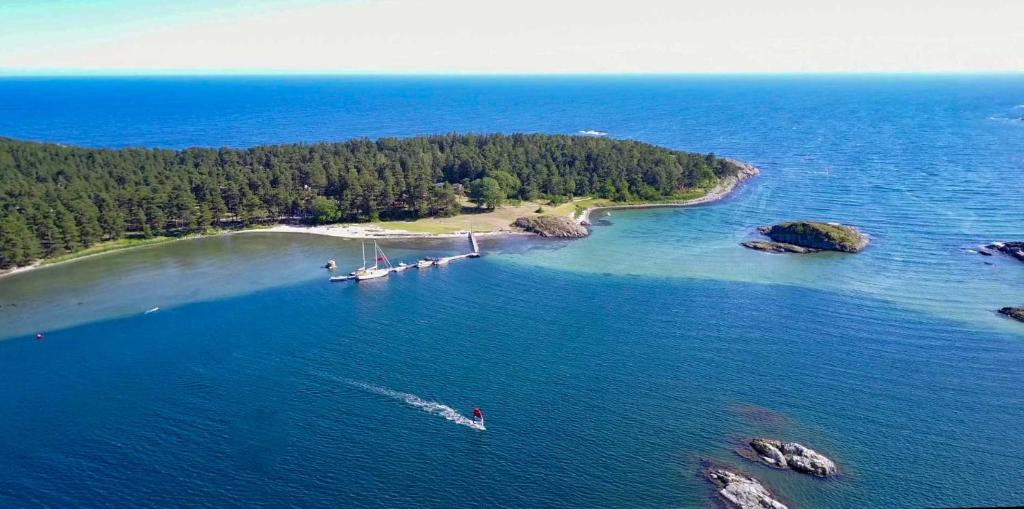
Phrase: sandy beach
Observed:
(369, 231)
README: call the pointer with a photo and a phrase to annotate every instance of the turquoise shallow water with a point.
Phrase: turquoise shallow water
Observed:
(608, 367)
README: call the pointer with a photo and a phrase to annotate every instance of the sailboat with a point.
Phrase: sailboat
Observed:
(376, 271)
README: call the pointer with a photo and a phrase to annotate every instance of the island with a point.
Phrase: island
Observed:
(1017, 313)
(809, 237)
(62, 202)
(789, 456)
(1014, 249)
(740, 491)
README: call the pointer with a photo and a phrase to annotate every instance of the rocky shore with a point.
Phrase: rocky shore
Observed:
(791, 456)
(777, 247)
(552, 226)
(1014, 249)
(809, 237)
(739, 491)
(1013, 312)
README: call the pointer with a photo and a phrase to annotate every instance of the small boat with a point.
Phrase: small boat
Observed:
(401, 267)
(336, 279)
(443, 261)
(424, 263)
(478, 417)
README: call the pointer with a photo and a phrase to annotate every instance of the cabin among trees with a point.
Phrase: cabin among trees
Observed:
(56, 199)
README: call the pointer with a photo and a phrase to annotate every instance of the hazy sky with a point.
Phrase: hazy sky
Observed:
(509, 36)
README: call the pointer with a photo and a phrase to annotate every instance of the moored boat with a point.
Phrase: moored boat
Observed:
(375, 271)
(371, 273)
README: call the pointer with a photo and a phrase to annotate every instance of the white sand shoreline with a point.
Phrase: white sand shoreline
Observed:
(369, 231)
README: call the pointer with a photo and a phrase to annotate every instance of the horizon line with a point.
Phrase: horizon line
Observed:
(4, 74)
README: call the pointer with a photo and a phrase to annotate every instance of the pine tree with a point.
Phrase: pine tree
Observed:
(18, 244)
(71, 240)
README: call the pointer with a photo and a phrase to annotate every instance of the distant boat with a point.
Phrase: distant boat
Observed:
(376, 271)
(425, 263)
(591, 132)
(154, 310)
(443, 261)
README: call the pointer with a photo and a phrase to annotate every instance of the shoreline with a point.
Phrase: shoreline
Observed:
(370, 231)
(363, 231)
(720, 191)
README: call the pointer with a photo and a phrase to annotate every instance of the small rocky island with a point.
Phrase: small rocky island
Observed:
(809, 237)
(791, 456)
(739, 491)
(1014, 249)
(552, 226)
(1012, 312)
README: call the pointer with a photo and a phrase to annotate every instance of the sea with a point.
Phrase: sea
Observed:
(228, 372)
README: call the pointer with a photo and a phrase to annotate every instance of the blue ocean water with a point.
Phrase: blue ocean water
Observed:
(608, 368)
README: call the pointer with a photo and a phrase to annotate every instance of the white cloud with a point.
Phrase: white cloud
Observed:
(485, 36)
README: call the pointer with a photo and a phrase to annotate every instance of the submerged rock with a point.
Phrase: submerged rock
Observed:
(794, 456)
(777, 247)
(742, 492)
(818, 236)
(1015, 313)
(1014, 249)
(552, 226)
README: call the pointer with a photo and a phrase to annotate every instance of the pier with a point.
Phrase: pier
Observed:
(443, 261)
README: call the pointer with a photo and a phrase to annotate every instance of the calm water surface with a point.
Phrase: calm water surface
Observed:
(608, 367)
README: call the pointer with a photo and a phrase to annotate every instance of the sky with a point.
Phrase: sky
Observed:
(508, 36)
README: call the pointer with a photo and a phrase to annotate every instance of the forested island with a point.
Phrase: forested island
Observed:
(57, 199)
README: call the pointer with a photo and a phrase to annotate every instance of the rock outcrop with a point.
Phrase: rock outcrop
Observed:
(1015, 313)
(777, 247)
(816, 236)
(552, 226)
(791, 455)
(741, 492)
(1014, 249)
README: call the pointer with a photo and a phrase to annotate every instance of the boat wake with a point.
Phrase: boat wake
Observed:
(431, 407)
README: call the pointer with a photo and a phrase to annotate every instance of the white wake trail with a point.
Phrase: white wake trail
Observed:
(415, 401)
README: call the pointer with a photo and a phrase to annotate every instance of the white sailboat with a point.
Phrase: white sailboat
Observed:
(376, 271)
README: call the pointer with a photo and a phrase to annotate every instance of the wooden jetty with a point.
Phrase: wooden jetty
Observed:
(475, 253)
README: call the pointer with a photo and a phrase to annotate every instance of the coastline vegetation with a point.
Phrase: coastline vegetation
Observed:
(58, 202)
(107, 246)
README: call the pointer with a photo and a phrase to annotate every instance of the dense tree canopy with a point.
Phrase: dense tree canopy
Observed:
(56, 199)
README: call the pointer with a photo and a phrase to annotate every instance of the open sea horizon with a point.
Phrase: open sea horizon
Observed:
(610, 368)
